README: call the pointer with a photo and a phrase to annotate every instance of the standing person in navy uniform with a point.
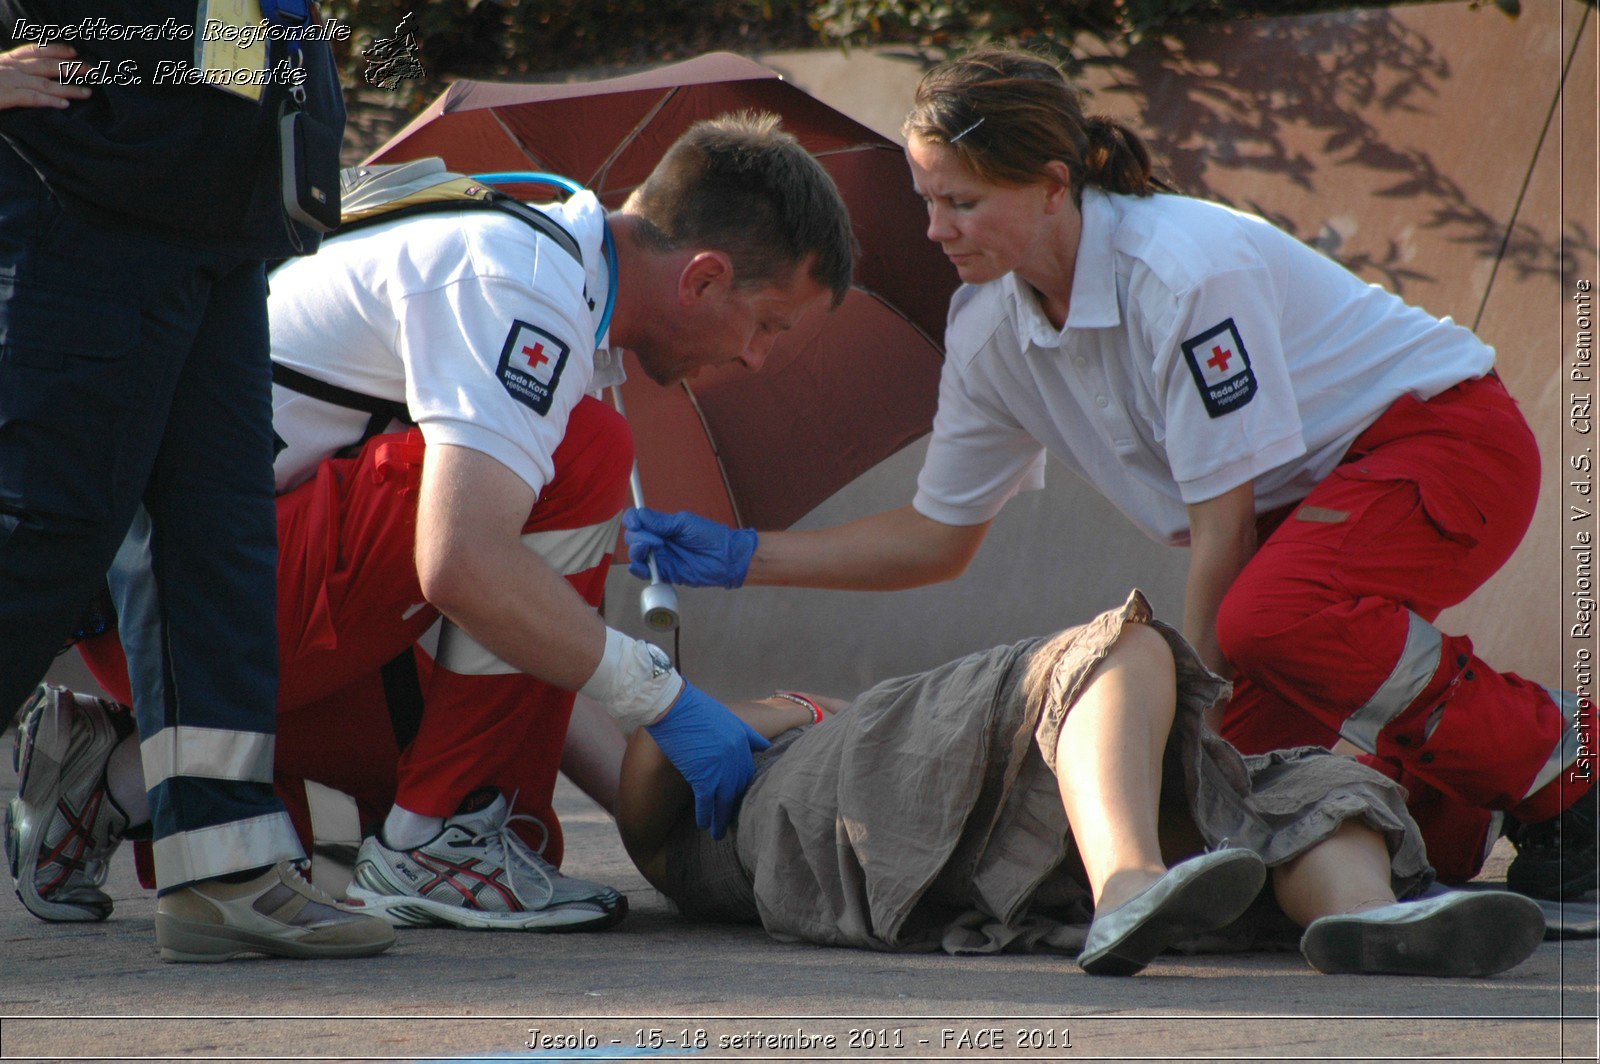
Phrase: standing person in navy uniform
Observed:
(1341, 466)
(450, 496)
(135, 411)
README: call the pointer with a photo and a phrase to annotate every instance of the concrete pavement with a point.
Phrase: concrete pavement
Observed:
(98, 991)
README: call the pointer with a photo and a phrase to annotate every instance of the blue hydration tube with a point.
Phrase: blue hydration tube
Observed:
(658, 602)
(571, 188)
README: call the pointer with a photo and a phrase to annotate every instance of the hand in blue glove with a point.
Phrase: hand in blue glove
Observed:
(711, 747)
(690, 550)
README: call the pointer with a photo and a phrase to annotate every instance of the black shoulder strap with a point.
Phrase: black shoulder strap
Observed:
(382, 411)
(540, 221)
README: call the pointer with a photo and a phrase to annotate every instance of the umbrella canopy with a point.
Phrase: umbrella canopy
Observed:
(840, 392)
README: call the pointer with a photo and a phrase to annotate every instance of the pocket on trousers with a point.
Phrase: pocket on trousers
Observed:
(43, 325)
(1453, 516)
(1456, 517)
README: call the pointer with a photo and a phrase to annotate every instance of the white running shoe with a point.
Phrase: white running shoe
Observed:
(478, 873)
(63, 826)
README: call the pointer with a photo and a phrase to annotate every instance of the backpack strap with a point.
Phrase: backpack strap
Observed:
(373, 195)
(382, 411)
(541, 222)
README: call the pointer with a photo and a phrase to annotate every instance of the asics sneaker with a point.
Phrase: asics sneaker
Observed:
(63, 826)
(278, 912)
(1557, 859)
(478, 873)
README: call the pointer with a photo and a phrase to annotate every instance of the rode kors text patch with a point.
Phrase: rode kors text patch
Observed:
(531, 365)
(1221, 368)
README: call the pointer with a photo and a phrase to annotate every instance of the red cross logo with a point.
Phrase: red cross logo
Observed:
(1219, 358)
(536, 355)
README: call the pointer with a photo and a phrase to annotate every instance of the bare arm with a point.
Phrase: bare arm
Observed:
(887, 551)
(476, 571)
(474, 567)
(1222, 538)
(592, 753)
(653, 797)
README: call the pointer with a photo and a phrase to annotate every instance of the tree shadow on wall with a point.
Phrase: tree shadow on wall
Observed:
(1241, 96)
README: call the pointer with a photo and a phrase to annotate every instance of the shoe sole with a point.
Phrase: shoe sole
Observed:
(404, 911)
(1212, 897)
(1472, 934)
(186, 942)
(39, 779)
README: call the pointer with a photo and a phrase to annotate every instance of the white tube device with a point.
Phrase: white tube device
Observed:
(658, 602)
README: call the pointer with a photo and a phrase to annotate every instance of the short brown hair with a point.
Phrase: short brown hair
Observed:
(741, 185)
(1007, 113)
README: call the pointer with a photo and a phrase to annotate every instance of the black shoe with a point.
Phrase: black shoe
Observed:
(1557, 858)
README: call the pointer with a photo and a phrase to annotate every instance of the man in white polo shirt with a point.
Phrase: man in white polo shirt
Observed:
(496, 513)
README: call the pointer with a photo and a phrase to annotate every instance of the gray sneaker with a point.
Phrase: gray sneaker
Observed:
(1202, 894)
(63, 826)
(279, 913)
(478, 873)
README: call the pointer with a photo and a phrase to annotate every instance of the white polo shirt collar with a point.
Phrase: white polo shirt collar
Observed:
(1094, 282)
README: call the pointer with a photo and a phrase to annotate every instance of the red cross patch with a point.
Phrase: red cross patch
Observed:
(530, 365)
(1221, 368)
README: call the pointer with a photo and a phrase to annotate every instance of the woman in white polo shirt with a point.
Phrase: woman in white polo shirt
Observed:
(1341, 465)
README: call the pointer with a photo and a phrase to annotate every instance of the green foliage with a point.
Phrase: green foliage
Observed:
(519, 38)
(480, 38)
(959, 24)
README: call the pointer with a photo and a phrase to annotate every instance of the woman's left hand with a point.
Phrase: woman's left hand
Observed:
(30, 76)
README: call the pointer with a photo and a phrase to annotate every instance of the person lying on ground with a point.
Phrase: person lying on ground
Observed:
(1006, 799)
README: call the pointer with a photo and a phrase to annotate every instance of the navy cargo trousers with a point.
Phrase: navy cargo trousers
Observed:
(136, 427)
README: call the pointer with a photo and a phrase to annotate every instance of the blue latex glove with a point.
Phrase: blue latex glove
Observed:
(690, 550)
(711, 747)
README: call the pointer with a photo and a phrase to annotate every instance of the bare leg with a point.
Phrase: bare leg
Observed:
(1348, 872)
(1108, 760)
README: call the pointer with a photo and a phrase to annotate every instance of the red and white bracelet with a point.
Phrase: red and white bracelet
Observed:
(801, 700)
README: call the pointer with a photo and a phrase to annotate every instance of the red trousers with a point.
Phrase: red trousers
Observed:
(1330, 625)
(349, 603)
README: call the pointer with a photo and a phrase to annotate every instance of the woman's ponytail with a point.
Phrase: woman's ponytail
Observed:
(1116, 159)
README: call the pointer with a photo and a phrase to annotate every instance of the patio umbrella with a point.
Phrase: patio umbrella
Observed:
(840, 392)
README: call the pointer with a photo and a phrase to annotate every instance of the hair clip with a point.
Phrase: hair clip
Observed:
(969, 129)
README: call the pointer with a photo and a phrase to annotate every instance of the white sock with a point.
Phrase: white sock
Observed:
(405, 830)
(125, 781)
